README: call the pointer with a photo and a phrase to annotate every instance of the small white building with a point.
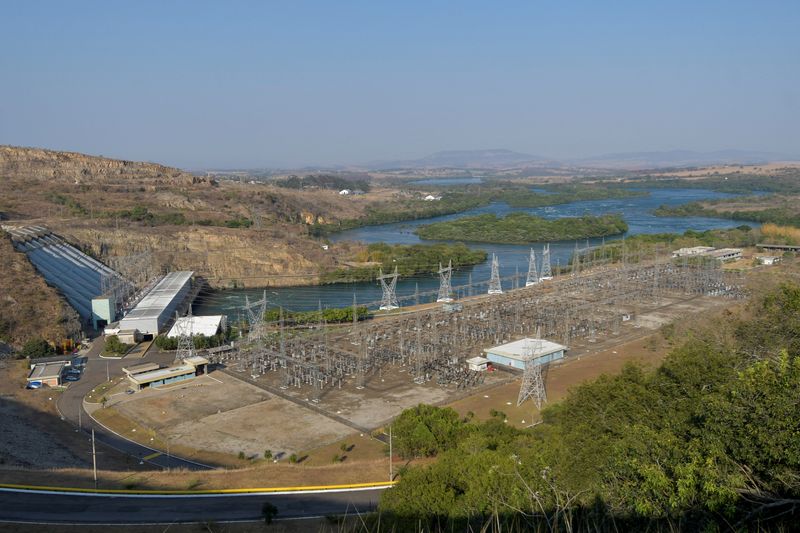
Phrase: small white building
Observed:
(478, 364)
(198, 325)
(726, 254)
(345, 192)
(129, 336)
(768, 259)
(516, 354)
(694, 250)
(432, 198)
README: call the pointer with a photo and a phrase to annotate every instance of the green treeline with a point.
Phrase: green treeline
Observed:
(644, 245)
(563, 194)
(410, 259)
(780, 181)
(405, 210)
(708, 441)
(331, 316)
(521, 228)
(777, 215)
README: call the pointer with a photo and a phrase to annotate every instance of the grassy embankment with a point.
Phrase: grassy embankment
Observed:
(521, 228)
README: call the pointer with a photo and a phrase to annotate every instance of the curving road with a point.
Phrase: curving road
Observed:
(95, 372)
(66, 508)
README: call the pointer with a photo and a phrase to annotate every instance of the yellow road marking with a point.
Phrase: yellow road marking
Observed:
(208, 491)
(151, 456)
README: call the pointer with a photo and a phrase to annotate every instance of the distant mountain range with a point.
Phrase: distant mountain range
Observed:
(499, 158)
(681, 158)
(493, 158)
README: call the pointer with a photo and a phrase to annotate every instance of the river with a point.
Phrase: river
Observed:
(637, 212)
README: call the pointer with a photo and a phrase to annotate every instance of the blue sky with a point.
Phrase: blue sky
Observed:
(244, 84)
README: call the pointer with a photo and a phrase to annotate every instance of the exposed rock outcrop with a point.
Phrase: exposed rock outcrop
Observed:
(72, 167)
(225, 257)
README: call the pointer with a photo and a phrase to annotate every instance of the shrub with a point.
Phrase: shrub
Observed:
(37, 347)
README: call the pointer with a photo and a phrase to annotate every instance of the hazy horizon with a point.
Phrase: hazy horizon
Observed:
(249, 85)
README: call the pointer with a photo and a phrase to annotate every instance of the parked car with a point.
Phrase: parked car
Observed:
(72, 377)
(34, 385)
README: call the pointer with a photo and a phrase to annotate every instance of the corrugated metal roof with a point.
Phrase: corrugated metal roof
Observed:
(160, 296)
(526, 348)
(155, 375)
(47, 371)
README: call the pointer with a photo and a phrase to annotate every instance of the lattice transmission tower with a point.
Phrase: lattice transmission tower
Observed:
(494, 282)
(185, 341)
(389, 297)
(532, 379)
(255, 316)
(546, 272)
(533, 273)
(445, 277)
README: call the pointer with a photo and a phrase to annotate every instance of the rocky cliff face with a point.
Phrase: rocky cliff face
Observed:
(72, 167)
(225, 257)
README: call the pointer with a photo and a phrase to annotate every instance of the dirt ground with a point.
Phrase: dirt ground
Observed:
(638, 341)
(383, 397)
(559, 379)
(223, 414)
(33, 433)
(218, 416)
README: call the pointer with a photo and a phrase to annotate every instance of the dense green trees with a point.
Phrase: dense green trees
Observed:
(37, 347)
(521, 228)
(710, 438)
(331, 316)
(114, 346)
(200, 341)
(410, 259)
(777, 215)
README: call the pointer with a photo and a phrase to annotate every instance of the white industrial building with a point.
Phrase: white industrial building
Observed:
(197, 325)
(722, 254)
(477, 364)
(516, 354)
(153, 312)
(726, 254)
(768, 259)
(694, 250)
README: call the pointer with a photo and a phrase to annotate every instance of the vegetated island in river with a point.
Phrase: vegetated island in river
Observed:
(410, 259)
(521, 228)
(457, 201)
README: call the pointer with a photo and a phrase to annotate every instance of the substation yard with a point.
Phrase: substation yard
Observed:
(260, 401)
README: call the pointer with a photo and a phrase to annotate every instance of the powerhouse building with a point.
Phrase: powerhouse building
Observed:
(156, 309)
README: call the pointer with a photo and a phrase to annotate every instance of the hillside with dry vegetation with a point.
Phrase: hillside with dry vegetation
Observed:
(29, 308)
(233, 233)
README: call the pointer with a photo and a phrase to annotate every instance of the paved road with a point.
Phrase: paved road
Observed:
(96, 372)
(84, 509)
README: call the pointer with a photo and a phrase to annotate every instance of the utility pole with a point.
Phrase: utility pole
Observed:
(94, 461)
(391, 466)
(108, 375)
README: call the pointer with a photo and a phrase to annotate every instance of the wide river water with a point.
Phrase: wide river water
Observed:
(636, 211)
